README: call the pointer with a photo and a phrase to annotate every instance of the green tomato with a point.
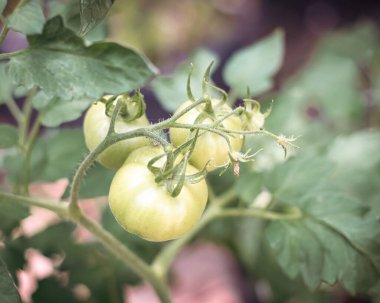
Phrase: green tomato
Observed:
(209, 146)
(95, 127)
(146, 208)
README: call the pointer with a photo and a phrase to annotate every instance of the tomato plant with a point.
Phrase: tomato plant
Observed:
(291, 194)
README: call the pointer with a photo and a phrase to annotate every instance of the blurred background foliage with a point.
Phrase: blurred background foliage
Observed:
(325, 89)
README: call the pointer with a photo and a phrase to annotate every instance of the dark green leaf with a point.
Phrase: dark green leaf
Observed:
(8, 136)
(51, 290)
(8, 291)
(10, 215)
(96, 183)
(92, 12)
(255, 66)
(27, 19)
(73, 70)
(171, 90)
(5, 85)
(46, 240)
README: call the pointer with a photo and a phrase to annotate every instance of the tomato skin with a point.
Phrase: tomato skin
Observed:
(146, 208)
(95, 127)
(209, 146)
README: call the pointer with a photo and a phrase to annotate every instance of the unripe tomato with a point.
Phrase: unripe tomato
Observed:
(146, 208)
(209, 146)
(95, 127)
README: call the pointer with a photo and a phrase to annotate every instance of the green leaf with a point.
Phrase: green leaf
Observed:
(335, 242)
(55, 155)
(8, 291)
(358, 151)
(3, 4)
(97, 182)
(70, 13)
(8, 136)
(358, 162)
(255, 66)
(73, 70)
(358, 42)
(5, 85)
(51, 290)
(171, 90)
(27, 19)
(10, 215)
(55, 111)
(288, 182)
(92, 12)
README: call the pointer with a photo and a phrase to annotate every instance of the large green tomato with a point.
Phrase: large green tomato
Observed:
(96, 124)
(210, 146)
(146, 208)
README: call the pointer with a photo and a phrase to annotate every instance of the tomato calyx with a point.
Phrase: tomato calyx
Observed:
(131, 107)
(253, 118)
(173, 172)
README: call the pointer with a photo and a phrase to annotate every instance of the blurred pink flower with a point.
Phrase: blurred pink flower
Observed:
(37, 267)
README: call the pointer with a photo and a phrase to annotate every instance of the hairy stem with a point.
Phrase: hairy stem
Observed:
(126, 256)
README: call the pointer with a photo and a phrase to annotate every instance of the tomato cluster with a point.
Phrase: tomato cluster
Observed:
(152, 196)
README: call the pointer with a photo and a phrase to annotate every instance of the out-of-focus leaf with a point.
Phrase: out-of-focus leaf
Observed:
(358, 42)
(358, 151)
(51, 290)
(46, 241)
(5, 85)
(92, 12)
(55, 155)
(10, 215)
(3, 4)
(73, 70)
(8, 136)
(27, 19)
(358, 163)
(96, 183)
(8, 291)
(171, 90)
(255, 66)
(63, 150)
